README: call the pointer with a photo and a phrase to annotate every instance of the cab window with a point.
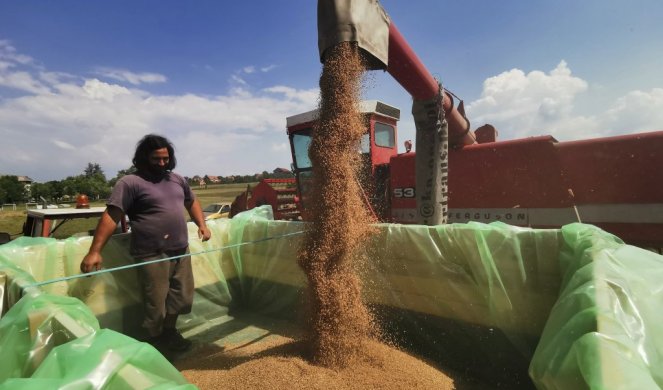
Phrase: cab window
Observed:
(301, 143)
(384, 135)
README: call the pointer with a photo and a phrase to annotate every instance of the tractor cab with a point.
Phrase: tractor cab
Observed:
(45, 222)
(377, 147)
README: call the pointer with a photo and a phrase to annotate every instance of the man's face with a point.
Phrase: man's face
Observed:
(158, 160)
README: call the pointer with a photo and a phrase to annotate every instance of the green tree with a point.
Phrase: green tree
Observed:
(56, 189)
(44, 190)
(11, 191)
(91, 183)
(122, 172)
(69, 186)
(94, 170)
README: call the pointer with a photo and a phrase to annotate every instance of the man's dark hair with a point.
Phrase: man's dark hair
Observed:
(147, 145)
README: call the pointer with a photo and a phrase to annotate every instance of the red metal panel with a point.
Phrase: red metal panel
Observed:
(641, 234)
(623, 169)
(402, 176)
(537, 173)
(46, 227)
(519, 173)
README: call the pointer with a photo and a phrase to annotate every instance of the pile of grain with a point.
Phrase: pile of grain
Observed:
(281, 363)
(339, 321)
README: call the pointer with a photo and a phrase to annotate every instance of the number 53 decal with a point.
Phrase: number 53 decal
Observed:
(407, 192)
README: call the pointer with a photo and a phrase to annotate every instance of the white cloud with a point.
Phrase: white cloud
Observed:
(65, 122)
(8, 53)
(22, 81)
(537, 103)
(294, 94)
(52, 78)
(237, 80)
(131, 77)
(238, 77)
(521, 104)
(253, 69)
(99, 90)
(637, 111)
(15, 71)
(281, 147)
(63, 145)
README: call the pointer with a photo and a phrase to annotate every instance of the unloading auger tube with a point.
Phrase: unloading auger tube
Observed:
(439, 124)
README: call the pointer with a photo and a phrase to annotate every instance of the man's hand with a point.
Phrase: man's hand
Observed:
(196, 214)
(91, 262)
(105, 228)
(204, 233)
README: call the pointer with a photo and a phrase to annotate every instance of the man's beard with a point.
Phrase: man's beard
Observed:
(157, 171)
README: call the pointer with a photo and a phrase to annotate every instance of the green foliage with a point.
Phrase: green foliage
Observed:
(92, 182)
(11, 190)
(94, 186)
(120, 174)
(93, 170)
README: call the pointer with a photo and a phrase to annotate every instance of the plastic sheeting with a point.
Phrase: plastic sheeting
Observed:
(54, 341)
(604, 331)
(576, 307)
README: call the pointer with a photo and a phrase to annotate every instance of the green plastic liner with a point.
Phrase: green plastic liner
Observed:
(569, 308)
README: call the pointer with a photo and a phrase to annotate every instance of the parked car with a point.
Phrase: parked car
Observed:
(216, 210)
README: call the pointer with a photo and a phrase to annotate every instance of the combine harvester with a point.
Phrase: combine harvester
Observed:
(566, 307)
(459, 175)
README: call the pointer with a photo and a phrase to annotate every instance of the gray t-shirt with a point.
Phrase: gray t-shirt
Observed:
(156, 210)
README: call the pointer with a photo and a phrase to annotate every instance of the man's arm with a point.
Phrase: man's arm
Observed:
(196, 214)
(105, 228)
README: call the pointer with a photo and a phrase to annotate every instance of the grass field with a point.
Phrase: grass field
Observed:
(12, 221)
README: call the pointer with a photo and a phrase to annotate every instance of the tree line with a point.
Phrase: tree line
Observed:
(93, 183)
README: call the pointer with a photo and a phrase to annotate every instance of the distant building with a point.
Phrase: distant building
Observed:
(25, 180)
(212, 179)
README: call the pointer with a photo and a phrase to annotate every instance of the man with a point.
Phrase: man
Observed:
(153, 198)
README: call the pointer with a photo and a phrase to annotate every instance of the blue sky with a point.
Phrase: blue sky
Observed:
(83, 81)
